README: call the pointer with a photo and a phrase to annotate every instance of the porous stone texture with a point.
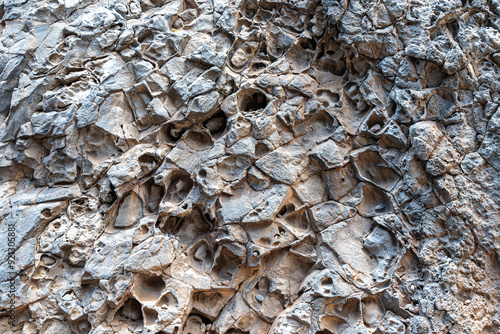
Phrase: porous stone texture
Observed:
(251, 167)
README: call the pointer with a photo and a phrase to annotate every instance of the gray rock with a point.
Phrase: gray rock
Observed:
(330, 154)
(284, 164)
(329, 213)
(249, 167)
(489, 148)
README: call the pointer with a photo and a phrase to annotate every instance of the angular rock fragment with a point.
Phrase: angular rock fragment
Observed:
(330, 154)
(153, 254)
(284, 164)
(371, 167)
(339, 181)
(129, 211)
(424, 137)
(329, 213)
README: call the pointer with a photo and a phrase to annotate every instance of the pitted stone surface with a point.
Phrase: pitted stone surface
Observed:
(250, 166)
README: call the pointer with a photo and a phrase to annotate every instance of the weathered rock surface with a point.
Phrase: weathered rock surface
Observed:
(251, 167)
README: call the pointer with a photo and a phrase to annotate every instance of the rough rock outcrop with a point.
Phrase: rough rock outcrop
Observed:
(251, 167)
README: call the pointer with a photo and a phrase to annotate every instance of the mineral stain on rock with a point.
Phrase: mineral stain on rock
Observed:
(250, 167)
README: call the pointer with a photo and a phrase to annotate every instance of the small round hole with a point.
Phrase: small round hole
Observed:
(202, 173)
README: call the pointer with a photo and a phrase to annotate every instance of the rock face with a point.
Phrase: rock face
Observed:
(251, 167)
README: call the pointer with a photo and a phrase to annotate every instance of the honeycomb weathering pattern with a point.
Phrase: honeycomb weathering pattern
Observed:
(251, 167)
